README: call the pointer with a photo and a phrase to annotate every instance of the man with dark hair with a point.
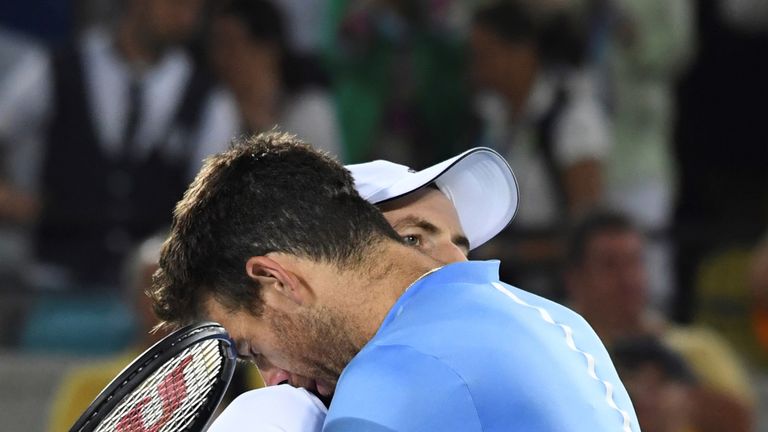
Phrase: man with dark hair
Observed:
(273, 241)
(445, 211)
(607, 282)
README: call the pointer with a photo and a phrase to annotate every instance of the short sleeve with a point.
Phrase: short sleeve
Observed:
(397, 388)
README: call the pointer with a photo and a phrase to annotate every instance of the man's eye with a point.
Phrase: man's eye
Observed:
(411, 240)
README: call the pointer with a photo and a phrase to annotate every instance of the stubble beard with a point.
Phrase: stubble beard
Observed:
(318, 341)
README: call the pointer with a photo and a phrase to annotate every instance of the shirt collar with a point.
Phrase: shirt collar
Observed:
(460, 272)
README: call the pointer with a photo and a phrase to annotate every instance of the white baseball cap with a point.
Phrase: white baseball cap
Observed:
(479, 182)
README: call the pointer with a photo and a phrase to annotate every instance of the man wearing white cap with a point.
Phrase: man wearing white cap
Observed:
(445, 210)
(475, 192)
(473, 198)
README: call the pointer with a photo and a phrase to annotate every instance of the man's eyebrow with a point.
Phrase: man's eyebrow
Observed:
(418, 222)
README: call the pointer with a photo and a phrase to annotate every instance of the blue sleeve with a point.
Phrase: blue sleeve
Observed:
(396, 388)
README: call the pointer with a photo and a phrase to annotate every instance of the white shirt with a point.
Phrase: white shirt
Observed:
(280, 408)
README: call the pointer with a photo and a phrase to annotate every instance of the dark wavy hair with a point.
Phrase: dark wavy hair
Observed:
(269, 193)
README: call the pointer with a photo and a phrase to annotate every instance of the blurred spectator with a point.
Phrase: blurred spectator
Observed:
(18, 205)
(121, 119)
(659, 382)
(81, 385)
(399, 78)
(607, 283)
(721, 156)
(272, 85)
(649, 44)
(545, 116)
(539, 110)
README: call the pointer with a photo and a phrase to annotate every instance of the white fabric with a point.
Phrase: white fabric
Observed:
(479, 183)
(280, 408)
(162, 87)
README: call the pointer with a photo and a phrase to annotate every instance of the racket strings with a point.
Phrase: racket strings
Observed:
(172, 395)
(203, 380)
(128, 414)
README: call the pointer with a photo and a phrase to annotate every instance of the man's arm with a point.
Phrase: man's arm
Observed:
(396, 388)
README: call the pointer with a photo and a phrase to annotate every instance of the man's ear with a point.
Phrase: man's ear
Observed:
(280, 287)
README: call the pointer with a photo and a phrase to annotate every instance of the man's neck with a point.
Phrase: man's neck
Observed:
(368, 300)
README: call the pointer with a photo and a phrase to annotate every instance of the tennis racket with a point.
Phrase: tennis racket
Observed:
(174, 386)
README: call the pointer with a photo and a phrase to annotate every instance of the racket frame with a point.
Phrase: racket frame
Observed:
(150, 361)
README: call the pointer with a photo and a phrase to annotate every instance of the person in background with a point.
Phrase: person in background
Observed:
(80, 386)
(250, 53)
(719, 217)
(19, 207)
(539, 110)
(649, 46)
(659, 382)
(607, 283)
(118, 120)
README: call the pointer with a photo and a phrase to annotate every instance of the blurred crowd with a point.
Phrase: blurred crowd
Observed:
(635, 129)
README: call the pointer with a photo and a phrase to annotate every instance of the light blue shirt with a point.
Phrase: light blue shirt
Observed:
(462, 351)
